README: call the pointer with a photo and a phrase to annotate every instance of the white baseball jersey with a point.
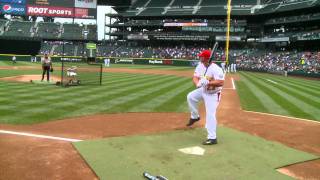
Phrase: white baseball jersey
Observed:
(211, 97)
(213, 72)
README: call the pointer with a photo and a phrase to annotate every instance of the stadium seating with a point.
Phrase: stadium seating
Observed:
(152, 12)
(92, 32)
(48, 30)
(212, 11)
(18, 29)
(293, 5)
(179, 11)
(185, 3)
(2, 26)
(139, 3)
(72, 32)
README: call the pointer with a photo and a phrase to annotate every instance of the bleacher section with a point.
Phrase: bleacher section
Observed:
(139, 3)
(213, 7)
(294, 5)
(18, 29)
(48, 30)
(152, 12)
(92, 32)
(72, 32)
(280, 5)
(185, 3)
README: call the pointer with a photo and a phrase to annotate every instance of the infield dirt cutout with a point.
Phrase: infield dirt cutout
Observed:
(28, 78)
(34, 158)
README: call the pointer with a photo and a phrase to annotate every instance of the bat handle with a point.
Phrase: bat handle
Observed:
(149, 176)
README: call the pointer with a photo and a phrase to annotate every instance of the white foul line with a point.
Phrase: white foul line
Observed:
(233, 86)
(39, 136)
(272, 81)
(301, 119)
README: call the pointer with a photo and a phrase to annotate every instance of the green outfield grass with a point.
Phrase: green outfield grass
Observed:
(237, 156)
(165, 67)
(276, 94)
(26, 103)
(130, 66)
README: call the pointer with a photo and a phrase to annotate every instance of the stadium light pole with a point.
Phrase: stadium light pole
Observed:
(228, 32)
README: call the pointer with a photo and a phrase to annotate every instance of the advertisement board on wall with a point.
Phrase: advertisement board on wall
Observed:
(14, 9)
(50, 11)
(86, 4)
(85, 13)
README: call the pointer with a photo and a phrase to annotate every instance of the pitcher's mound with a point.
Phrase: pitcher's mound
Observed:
(30, 78)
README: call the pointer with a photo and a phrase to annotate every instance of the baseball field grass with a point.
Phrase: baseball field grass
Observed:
(26, 103)
(237, 156)
(275, 94)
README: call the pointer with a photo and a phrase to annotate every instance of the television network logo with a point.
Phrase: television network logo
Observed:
(7, 8)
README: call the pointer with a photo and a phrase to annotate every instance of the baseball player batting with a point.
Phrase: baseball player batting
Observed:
(208, 78)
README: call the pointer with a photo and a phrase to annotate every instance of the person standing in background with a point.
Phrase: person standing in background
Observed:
(285, 69)
(14, 59)
(232, 62)
(107, 62)
(46, 66)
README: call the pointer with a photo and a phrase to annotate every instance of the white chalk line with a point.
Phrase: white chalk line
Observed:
(39, 136)
(272, 81)
(233, 85)
(276, 115)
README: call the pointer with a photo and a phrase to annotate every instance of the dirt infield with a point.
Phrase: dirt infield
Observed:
(28, 78)
(34, 158)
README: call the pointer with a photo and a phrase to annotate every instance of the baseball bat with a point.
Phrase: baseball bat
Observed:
(214, 49)
(150, 177)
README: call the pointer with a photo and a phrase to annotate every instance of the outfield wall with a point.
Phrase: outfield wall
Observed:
(141, 61)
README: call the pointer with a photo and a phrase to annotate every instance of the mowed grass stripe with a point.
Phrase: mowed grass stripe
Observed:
(314, 84)
(251, 97)
(164, 98)
(301, 88)
(82, 99)
(49, 95)
(113, 87)
(293, 92)
(292, 105)
(306, 83)
(181, 98)
(38, 100)
(269, 104)
(112, 99)
(147, 96)
(165, 67)
(82, 105)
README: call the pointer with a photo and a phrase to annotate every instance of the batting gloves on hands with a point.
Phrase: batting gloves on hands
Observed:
(202, 83)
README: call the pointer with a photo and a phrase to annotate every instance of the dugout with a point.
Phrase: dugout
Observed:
(20, 46)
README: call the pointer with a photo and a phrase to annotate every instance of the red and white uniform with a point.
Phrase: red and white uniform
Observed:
(210, 96)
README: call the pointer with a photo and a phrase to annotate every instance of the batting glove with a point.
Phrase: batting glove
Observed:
(203, 82)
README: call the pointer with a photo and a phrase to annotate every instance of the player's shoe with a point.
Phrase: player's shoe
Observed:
(210, 142)
(192, 121)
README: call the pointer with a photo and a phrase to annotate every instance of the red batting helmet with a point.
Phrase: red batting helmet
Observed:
(205, 54)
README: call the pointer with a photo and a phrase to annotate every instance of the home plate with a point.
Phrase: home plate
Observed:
(196, 150)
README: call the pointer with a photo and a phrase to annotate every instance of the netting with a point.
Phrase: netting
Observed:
(81, 73)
